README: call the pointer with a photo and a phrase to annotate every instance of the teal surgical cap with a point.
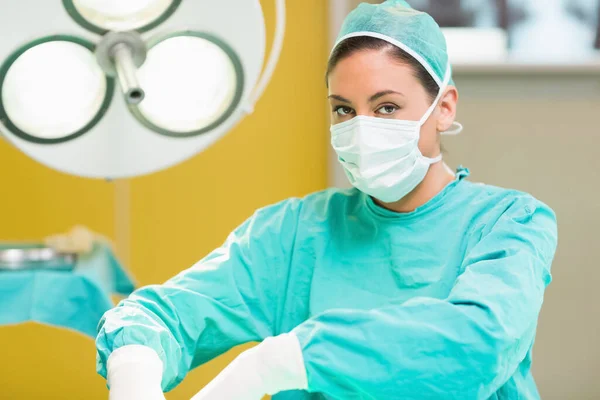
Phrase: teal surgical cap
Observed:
(415, 32)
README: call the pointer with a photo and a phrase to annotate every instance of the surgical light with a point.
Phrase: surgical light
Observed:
(113, 89)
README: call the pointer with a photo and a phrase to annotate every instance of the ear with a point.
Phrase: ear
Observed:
(447, 105)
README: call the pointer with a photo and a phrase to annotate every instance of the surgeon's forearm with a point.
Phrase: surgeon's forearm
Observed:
(432, 351)
(466, 346)
(170, 320)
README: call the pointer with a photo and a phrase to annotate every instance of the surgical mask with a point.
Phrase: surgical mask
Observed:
(381, 157)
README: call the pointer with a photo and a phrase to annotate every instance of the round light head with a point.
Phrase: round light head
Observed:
(52, 90)
(193, 81)
(101, 16)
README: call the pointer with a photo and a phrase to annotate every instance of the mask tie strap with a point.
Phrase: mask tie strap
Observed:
(434, 160)
(439, 96)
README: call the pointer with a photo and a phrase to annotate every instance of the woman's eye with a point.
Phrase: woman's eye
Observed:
(342, 111)
(387, 110)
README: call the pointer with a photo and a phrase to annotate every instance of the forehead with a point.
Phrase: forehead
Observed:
(371, 71)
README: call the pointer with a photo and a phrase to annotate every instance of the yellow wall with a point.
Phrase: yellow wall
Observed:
(176, 216)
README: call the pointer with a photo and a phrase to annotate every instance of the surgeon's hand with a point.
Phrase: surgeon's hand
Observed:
(135, 373)
(274, 366)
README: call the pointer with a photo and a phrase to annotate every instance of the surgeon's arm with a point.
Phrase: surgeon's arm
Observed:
(466, 346)
(226, 299)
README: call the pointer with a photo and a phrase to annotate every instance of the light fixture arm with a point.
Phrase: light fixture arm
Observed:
(127, 73)
(120, 54)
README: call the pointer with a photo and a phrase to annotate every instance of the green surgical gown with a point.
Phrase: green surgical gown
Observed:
(439, 303)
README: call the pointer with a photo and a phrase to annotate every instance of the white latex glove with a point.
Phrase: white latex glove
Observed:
(274, 366)
(135, 373)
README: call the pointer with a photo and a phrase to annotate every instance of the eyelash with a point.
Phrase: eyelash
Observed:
(337, 110)
(349, 110)
(396, 108)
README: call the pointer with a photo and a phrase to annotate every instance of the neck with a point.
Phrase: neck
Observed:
(437, 178)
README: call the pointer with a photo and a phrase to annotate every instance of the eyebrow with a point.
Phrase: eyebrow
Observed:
(340, 98)
(373, 98)
(379, 95)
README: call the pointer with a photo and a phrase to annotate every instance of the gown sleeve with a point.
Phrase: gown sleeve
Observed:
(465, 346)
(226, 299)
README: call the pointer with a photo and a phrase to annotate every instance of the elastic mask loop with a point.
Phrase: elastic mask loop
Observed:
(455, 130)
(434, 160)
(439, 96)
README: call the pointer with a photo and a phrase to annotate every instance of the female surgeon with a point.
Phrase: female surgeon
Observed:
(415, 284)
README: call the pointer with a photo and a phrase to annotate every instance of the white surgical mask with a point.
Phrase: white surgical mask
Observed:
(381, 157)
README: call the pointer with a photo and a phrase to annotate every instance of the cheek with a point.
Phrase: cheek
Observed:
(428, 141)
